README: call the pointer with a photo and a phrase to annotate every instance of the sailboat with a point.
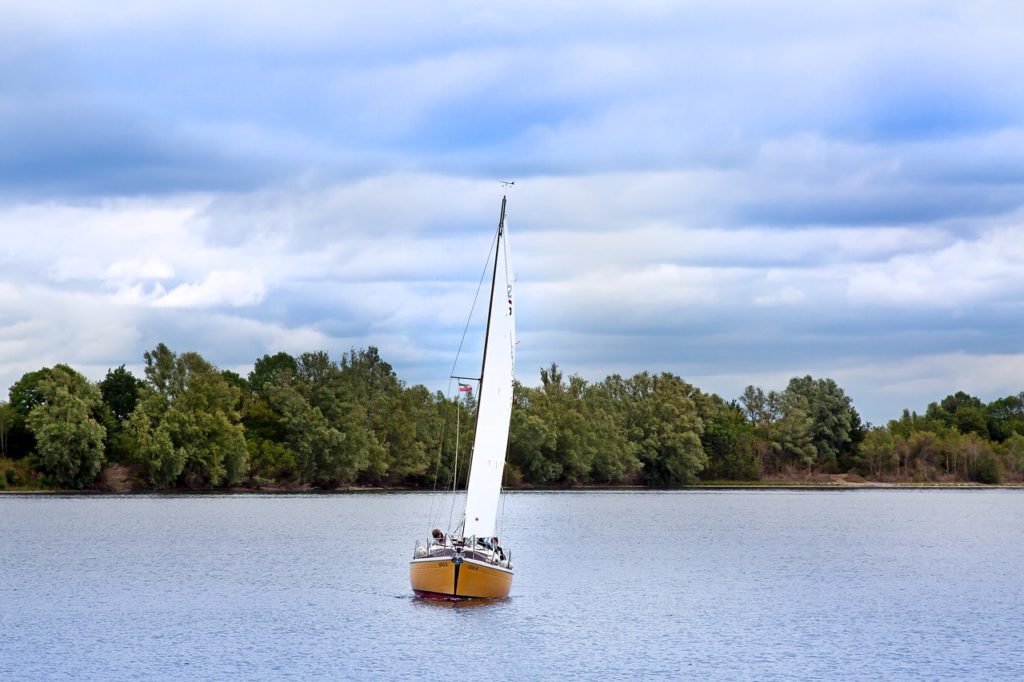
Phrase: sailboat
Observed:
(469, 563)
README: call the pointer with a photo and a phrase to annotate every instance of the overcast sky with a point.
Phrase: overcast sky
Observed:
(734, 192)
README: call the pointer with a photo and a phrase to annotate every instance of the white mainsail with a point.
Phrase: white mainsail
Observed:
(494, 399)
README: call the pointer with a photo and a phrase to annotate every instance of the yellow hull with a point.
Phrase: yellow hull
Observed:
(442, 578)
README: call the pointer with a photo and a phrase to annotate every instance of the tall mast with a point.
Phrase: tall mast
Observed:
(490, 305)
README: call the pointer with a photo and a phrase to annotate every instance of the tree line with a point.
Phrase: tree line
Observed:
(310, 421)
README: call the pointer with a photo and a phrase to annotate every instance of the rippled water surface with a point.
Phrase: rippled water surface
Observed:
(722, 585)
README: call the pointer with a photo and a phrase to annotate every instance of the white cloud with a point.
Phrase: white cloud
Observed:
(100, 239)
(883, 390)
(135, 269)
(227, 287)
(42, 327)
(968, 271)
(788, 295)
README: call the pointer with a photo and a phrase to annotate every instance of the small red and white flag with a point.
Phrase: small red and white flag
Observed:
(465, 388)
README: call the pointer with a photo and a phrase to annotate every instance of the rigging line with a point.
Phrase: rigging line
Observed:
(476, 296)
(458, 354)
(437, 470)
(500, 529)
(455, 467)
(437, 464)
(462, 341)
(465, 330)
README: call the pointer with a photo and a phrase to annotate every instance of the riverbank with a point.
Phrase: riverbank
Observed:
(815, 482)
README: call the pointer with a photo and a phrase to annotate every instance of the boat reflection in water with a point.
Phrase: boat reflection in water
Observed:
(426, 603)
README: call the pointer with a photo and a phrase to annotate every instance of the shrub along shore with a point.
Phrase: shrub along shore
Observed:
(308, 422)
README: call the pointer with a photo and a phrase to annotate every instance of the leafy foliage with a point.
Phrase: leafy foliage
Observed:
(309, 420)
(187, 425)
(120, 391)
(151, 439)
(69, 440)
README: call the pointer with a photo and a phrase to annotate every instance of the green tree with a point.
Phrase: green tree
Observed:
(728, 440)
(1004, 417)
(263, 426)
(529, 439)
(878, 453)
(414, 438)
(615, 458)
(924, 455)
(911, 422)
(317, 446)
(271, 462)
(533, 433)
(25, 394)
(8, 418)
(989, 468)
(203, 421)
(570, 451)
(662, 420)
(1014, 456)
(344, 422)
(120, 391)
(28, 391)
(970, 420)
(981, 462)
(197, 408)
(835, 425)
(757, 409)
(572, 432)
(163, 373)
(267, 367)
(69, 440)
(148, 432)
(960, 410)
(371, 405)
(791, 435)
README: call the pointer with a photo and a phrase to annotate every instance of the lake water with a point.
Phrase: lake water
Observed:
(867, 584)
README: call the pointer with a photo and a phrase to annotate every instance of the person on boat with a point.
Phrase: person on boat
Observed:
(438, 536)
(497, 548)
